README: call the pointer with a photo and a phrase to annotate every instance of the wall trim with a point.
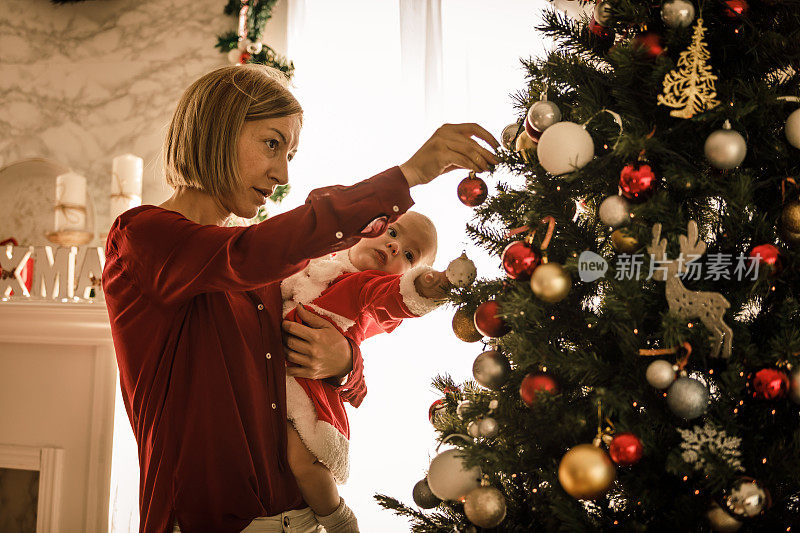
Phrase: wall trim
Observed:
(49, 462)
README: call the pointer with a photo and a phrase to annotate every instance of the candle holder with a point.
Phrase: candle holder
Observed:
(70, 237)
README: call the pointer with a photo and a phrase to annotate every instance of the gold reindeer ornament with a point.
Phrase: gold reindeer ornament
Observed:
(709, 307)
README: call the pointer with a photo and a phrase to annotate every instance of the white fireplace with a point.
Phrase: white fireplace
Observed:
(57, 390)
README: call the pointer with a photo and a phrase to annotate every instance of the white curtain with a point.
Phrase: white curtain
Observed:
(376, 77)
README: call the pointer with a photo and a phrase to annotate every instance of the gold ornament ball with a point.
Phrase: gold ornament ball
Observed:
(720, 521)
(464, 326)
(550, 282)
(586, 472)
(525, 144)
(485, 507)
(623, 242)
(790, 217)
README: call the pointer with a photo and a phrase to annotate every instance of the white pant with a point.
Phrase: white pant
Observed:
(299, 521)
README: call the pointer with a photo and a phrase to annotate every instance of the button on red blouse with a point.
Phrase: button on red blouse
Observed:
(195, 315)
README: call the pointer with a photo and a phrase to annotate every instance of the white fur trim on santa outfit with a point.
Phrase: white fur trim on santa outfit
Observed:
(323, 440)
(305, 286)
(416, 303)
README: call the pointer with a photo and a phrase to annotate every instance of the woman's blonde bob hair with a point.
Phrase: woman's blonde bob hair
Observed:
(200, 149)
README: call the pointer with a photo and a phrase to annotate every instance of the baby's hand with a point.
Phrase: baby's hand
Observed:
(432, 284)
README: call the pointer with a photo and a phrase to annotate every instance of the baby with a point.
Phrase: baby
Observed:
(363, 291)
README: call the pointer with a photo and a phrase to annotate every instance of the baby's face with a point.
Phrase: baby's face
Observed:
(406, 243)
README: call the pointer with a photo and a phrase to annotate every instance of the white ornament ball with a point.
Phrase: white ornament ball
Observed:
(793, 129)
(234, 56)
(543, 114)
(449, 478)
(615, 211)
(243, 44)
(488, 427)
(677, 13)
(254, 48)
(461, 272)
(565, 147)
(493, 404)
(660, 374)
(725, 149)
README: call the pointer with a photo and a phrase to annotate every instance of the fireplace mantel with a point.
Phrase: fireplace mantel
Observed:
(59, 358)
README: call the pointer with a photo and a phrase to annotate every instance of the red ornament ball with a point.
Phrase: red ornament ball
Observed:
(436, 410)
(488, 321)
(736, 8)
(603, 34)
(533, 384)
(625, 449)
(650, 43)
(637, 182)
(520, 260)
(770, 384)
(472, 191)
(767, 254)
(531, 131)
(245, 57)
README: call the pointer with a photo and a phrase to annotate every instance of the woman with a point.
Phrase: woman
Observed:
(195, 307)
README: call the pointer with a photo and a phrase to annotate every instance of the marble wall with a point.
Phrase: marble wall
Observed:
(81, 83)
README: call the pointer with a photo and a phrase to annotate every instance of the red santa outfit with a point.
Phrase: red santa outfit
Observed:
(360, 304)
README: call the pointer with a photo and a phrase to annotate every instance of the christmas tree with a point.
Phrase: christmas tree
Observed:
(641, 370)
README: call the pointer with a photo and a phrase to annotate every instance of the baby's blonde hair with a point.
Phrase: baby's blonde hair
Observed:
(200, 149)
(430, 257)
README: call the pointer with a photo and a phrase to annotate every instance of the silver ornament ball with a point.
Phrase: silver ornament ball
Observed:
(462, 407)
(543, 114)
(792, 129)
(488, 427)
(726, 148)
(660, 374)
(491, 369)
(493, 404)
(509, 135)
(688, 398)
(677, 13)
(473, 429)
(602, 13)
(485, 507)
(747, 498)
(615, 211)
(423, 496)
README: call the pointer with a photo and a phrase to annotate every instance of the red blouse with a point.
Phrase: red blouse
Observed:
(195, 316)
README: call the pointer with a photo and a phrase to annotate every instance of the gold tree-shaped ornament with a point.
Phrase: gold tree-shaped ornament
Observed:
(690, 88)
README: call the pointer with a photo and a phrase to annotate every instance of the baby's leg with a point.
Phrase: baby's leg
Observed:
(313, 478)
(318, 487)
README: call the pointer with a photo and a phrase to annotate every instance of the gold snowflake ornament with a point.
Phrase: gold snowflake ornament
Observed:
(690, 89)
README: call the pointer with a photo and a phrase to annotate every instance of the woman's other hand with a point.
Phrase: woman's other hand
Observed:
(319, 349)
(452, 146)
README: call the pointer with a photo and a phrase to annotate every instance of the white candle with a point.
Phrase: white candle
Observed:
(71, 192)
(126, 184)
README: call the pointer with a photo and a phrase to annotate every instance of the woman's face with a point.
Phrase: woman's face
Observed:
(264, 150)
